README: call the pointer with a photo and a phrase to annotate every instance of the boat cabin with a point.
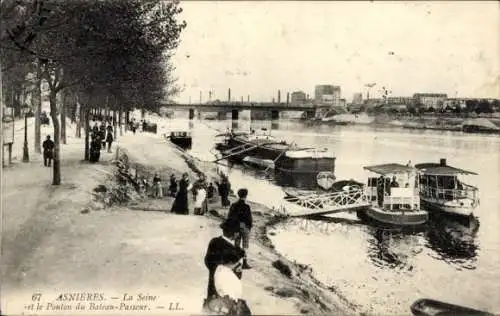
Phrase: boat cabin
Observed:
(394, 188)
(442, 182)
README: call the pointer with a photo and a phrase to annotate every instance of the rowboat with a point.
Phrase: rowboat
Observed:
(428, 307)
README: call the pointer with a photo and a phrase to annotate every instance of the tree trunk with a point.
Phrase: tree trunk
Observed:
(56, 173)
(114, 123)
(86, 117)
(37, 105)
(127, 119)
(64, 100)
(120, 120)
(78, 119)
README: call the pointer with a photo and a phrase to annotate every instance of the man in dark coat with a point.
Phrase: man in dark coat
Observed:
(219, 249)
(240, 213)
(48, 151)
(224, 187)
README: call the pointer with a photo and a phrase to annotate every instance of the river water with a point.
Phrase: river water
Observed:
(383, 271)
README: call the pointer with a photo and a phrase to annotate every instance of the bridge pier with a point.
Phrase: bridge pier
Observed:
(235, 115)
(191, 114)
(275, 114)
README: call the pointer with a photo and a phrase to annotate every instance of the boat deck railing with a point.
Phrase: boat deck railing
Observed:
(466, 192)
(392, 202)
(395, 198)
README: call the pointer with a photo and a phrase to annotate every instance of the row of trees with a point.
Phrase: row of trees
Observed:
(476, 106)
(111, 54)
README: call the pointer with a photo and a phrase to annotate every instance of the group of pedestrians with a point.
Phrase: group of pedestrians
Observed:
(203, 193)
(100, 136)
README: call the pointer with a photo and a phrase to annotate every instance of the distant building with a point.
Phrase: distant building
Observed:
(455, 103)
(431, 100)
(357, 98)
(461, 103)
(327, 94)
(298, 97)
(342, 103)
(400, 100)
(372, 102)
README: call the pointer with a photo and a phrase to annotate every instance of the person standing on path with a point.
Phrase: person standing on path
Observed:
(173, 185)
(95, 149)
(240, 213)
(109, 140)
(158, 189)
(224, 187)
(180, 205)
(48, 151)
(200, 198)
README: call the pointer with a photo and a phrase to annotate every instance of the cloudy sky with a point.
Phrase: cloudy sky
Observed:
(257, 47)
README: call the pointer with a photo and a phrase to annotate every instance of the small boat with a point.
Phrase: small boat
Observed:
(441, 189)
(393, 196)
(325, 179)
(428, 307)
(259, 163)
(181, 139)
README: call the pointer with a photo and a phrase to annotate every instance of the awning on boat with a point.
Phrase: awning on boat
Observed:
(390, 168)
(436, 169)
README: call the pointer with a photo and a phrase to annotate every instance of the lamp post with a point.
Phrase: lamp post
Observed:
(26, 156)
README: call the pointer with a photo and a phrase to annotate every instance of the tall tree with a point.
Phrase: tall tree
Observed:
(121, 47)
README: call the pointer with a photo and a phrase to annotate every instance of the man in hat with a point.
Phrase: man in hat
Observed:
(241, 214)
(219, 249)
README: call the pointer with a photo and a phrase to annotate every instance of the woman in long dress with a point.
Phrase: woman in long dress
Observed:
(180, 205)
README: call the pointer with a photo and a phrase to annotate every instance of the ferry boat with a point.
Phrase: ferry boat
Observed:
(441, 189)
(393, 196)
(181, 139)
(285, 157)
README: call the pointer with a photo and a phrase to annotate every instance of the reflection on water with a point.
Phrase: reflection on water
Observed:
(454, 241)
(393, 248)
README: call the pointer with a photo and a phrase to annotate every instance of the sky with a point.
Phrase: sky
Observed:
(259, 47)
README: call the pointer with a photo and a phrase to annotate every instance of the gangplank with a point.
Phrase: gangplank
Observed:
(298, 203)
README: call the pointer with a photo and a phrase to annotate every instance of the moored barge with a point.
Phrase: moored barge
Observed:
(287, 157)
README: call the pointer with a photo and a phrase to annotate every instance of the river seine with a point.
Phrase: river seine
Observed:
(384, 271)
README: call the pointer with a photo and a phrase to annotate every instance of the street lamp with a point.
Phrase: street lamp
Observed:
(26, 156)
